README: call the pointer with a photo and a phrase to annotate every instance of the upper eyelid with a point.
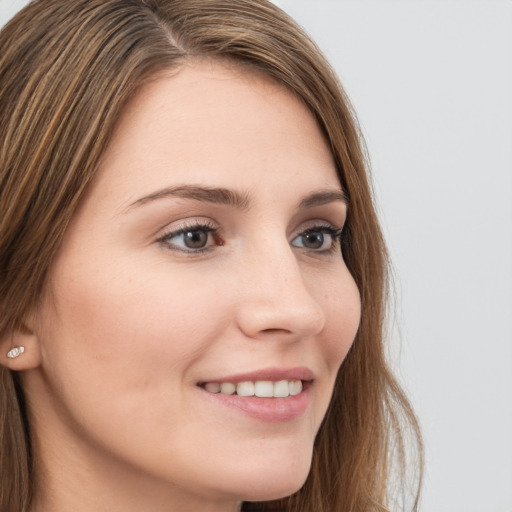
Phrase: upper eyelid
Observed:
(180, 226)
(185, 229)
(213, 226)
(333, 230)
(319, 224)
(325, 227)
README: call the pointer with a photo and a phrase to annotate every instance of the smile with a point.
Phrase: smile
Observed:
(259, 388)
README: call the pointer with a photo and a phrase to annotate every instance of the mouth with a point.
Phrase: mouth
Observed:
(260, 388)
(270, 395)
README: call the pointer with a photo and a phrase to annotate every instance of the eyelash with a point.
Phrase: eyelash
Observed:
(325, 229)
(336, 235)
(206, 227)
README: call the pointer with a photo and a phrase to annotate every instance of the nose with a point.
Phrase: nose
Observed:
(275, 301)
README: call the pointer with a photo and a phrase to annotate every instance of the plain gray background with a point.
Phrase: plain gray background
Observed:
(431, 82)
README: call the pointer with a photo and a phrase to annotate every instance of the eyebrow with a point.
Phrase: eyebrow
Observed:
(233, 198)
(322, 197)
(214, 195)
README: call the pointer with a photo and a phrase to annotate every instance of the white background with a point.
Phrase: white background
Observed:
(431, 82)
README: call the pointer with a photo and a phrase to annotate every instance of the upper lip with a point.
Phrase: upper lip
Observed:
(268, 374)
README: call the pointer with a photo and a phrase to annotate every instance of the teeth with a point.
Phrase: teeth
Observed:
(281, 388)
(261, 388)
(212, 387)
(245, 389)
(227, 388)
(295, 387)
(264, 388)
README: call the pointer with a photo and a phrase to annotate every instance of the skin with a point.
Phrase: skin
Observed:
(132, 322)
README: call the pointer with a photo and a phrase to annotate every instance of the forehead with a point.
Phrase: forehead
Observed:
(215, 124)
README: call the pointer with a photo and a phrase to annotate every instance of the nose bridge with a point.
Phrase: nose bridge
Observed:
(276, 298)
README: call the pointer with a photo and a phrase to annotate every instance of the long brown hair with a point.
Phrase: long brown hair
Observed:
(67, 68)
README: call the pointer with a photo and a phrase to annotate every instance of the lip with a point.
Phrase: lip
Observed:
(267, 410)
(273, 374)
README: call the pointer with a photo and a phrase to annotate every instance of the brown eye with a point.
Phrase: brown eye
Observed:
(313, 240)
(319, 239)
(195, 238)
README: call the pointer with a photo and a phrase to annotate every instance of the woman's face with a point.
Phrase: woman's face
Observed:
(204, 255)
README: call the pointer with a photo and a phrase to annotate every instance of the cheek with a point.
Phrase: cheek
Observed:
(119, 347)
(342, 306)
(128, 327)
(135, 309)
(340, 301)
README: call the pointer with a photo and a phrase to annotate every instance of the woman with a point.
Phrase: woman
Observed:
(192, 273)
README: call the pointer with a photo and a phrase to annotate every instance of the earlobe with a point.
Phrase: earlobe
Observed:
(20, 350)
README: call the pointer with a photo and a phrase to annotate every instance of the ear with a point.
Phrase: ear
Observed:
(29, 357)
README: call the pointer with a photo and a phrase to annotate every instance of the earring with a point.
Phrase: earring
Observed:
(15, 352)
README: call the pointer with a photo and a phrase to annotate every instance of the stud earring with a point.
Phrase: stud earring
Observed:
(15, 352)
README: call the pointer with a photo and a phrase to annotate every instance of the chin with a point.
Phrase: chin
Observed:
(275, 490)
(275, 481)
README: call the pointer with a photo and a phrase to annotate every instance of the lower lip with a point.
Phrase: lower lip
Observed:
(269, 410)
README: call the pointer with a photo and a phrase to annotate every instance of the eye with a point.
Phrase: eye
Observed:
(318, 238)
(193, 238)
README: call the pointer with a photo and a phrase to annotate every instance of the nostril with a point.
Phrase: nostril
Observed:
(275, 331)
